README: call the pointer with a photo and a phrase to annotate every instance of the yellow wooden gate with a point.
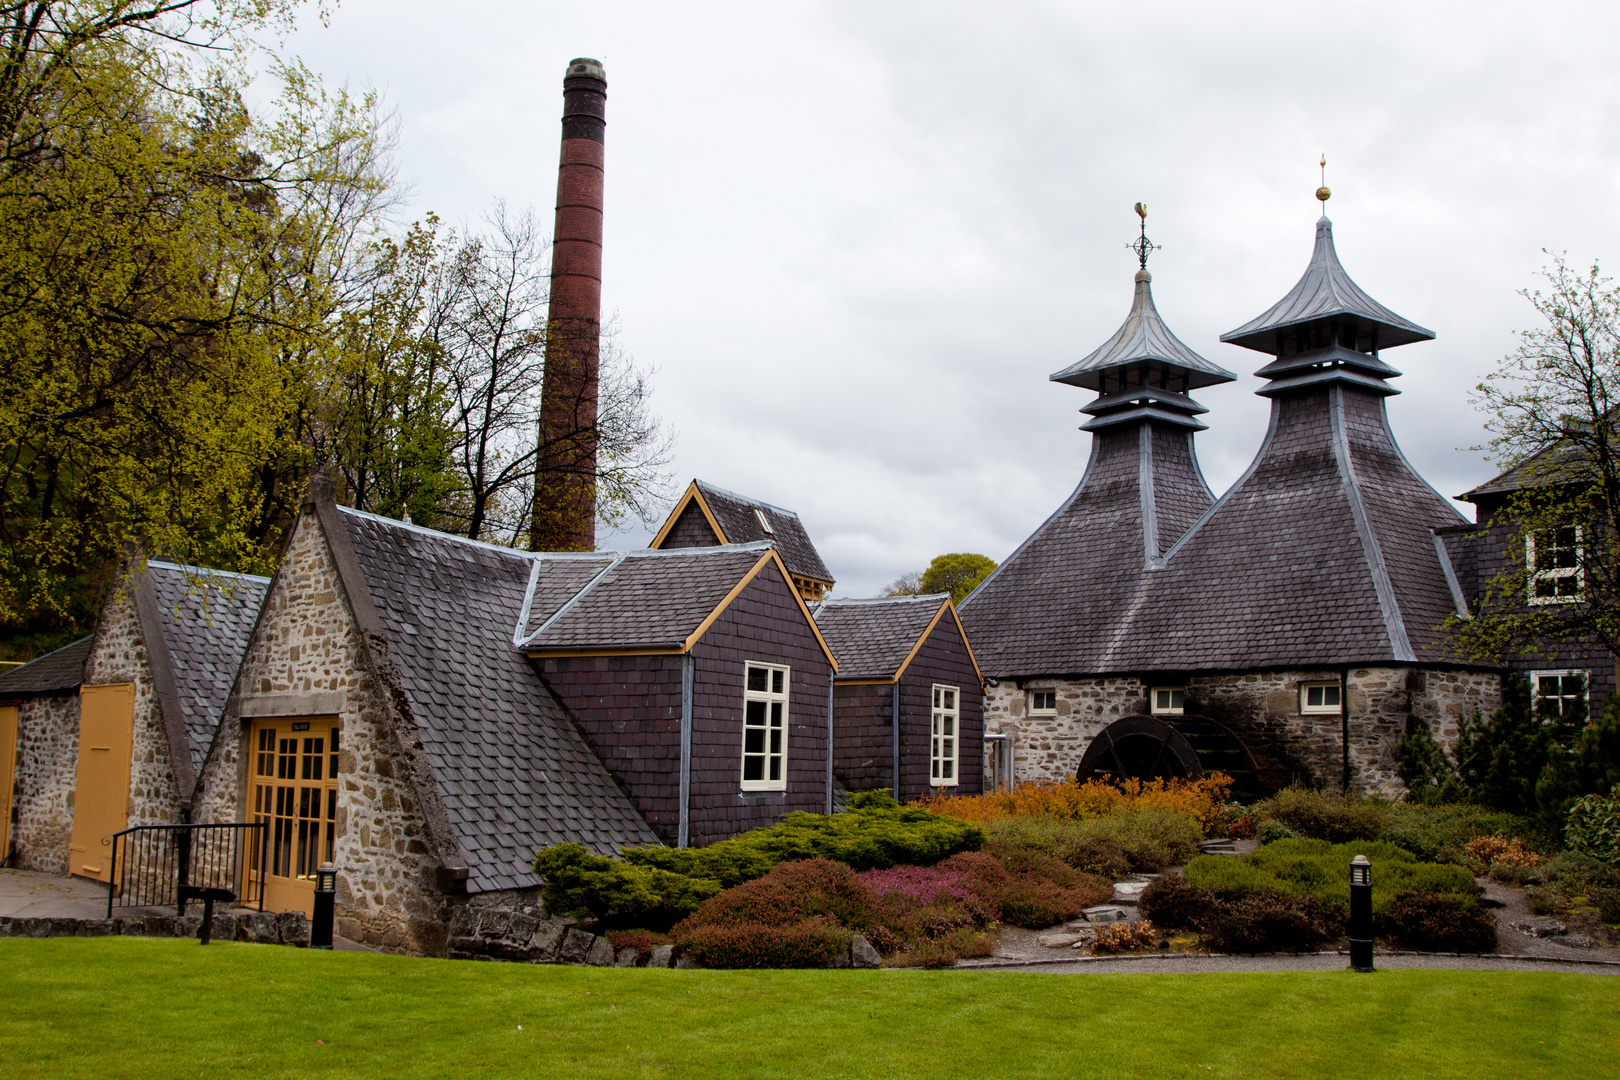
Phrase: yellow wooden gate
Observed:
(8, 774)
(101, 787)
(293, 780)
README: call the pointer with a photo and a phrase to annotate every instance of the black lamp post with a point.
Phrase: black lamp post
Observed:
(320, 927)
(1361, 946)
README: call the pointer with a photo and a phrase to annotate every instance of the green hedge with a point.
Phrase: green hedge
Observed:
(1320, 869)
(615, 892)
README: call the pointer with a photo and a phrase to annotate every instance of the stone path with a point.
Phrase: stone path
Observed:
(25, 894)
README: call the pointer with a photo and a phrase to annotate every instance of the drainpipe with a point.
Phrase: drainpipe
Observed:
(683, 833)
(1344, 722)
(829, 741)
(894, 719)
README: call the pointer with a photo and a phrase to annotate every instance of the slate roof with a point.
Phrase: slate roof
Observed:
(207, 618)
(1557, 464)
(1143, 337)
(1324, 292)
(513, 772)
(648, 598)
(54, 673)
(873, 638)
(1323, 553)
(735, 515)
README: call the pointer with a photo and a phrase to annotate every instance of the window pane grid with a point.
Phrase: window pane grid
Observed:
(944, 721)
(765, 722)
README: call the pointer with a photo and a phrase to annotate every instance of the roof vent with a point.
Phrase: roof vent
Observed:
(764, 522)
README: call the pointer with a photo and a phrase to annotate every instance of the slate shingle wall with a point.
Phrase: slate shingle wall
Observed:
(691, 530)
(863, 737)
(763, 623)
(943, 658)
(629, 708)
(47, 754)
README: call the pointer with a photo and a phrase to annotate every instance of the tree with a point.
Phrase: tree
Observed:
(1551, 408)
(957, 574)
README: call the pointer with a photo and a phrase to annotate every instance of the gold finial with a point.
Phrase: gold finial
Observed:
(1141, 211)
(1324, 193)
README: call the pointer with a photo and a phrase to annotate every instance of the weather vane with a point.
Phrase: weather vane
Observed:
(1324, 192)
(1143, 246)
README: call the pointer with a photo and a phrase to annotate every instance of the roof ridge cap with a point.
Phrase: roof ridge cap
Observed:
(411, 526)
(712, 549)
(751, 501)
(909, 598)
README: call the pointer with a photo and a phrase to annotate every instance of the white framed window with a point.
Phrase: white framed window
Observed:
(943, 736)
(1168, 700)
(764, 522)
(1042, 702)
(765, 727)
(1553, 557)
(1558, 693)
(1320, 697)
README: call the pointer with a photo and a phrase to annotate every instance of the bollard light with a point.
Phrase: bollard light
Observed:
(320, 926)
(1361, 945)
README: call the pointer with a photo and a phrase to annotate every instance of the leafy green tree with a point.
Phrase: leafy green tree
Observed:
(957, 574)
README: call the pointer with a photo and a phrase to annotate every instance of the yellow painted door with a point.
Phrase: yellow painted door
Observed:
(293, 781)
(101, 790)
(8, 774)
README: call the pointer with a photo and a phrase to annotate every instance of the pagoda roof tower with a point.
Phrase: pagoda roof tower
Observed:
(1324, 553)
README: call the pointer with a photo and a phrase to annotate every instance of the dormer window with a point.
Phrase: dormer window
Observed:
(764, 522)
(1553, 557)
(1168, 700)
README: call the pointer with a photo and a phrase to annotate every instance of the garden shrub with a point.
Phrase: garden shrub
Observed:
(1203, 800)
(1244, 825)
(642, 941)
(1266, 919)
(1441, 833)
(1320, 869)
(809, 943)
(1139, 841)
(1028, 899)
(1437, 922)
(788, 895)
(874, 837)
(1593, 828)
(617, 893)
(1607, 903)
(942, 951)
(1171, 900)
(1319, 816)
(1269, 832)
(1500, 853)
(1124, 937)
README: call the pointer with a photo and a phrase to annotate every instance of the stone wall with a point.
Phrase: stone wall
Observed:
(119, 656)
(1261, 708)
(306, 657)
(47, 757)
(261, 927)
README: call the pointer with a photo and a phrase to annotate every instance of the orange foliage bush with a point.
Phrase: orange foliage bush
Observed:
(1202, 799)
(1501, 851)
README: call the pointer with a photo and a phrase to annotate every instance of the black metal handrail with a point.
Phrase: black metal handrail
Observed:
(161, 864)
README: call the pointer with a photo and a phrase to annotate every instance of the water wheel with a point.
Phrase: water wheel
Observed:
(1142, 747)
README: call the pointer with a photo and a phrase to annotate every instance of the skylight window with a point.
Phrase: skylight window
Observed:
(764, 522)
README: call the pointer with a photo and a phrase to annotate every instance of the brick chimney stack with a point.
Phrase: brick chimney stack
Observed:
(563, 516)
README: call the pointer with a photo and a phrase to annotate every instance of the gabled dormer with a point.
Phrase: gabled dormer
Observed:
(708, 516)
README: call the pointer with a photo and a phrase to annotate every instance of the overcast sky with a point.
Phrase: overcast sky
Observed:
(856, 238)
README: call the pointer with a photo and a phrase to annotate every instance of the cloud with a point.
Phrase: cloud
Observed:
(855, 238)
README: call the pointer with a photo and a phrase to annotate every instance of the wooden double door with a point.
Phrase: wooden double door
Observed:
(293, 791)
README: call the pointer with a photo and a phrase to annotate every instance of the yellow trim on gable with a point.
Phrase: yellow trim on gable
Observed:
(770, 556)
(693, 493)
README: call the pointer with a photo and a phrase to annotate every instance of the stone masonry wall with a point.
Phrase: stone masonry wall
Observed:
(1262, 709)
(119, 656)
(47, 754)
(307, 648)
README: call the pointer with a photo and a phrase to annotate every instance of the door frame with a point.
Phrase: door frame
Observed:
(288, 825)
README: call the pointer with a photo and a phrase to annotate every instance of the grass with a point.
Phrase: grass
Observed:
(132, 1007)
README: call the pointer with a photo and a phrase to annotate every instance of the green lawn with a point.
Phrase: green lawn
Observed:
(133, 1007)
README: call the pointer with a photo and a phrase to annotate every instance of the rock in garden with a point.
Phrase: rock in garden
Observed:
(661, 955)
(862, 955)
(1061, 941)
(1541, 927)
(1575, 941)
(1105, 913)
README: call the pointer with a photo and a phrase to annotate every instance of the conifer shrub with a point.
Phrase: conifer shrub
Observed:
(1171, 900)
(1437, 922)
(1143, 841)
(789, 894)
(616, 893)
(873, 836)
(1320, 869)
(1442, 833)
(1269, 832)
(1266, 920)
(1319, 816)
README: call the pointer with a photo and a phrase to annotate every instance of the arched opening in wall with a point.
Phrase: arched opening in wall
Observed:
(1145, 748)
